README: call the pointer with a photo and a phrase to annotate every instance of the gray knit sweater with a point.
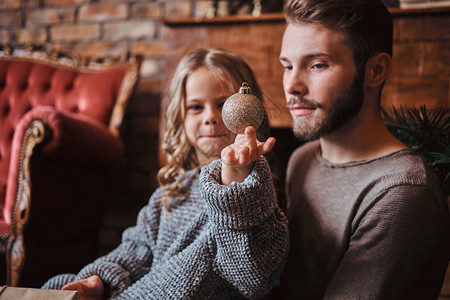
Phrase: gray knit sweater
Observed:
(376, 229)
(220, 242)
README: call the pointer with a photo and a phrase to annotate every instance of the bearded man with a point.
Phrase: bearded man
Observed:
(367, 217)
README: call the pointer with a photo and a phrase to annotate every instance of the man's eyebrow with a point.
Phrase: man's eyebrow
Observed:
(316, 54)
(308, 56)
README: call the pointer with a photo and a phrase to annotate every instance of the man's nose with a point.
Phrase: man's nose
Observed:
(295, 84)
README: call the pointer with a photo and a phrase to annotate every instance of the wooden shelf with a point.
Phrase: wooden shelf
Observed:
(395, 11)
(279, 17)
(266, 17)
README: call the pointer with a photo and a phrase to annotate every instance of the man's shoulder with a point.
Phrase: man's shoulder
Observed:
(405, 173)
(411, 167)
(407, 164)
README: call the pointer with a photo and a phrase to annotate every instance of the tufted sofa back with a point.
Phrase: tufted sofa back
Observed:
(26, 84)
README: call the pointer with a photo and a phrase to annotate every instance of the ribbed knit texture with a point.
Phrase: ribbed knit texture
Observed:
(365, 230)
(221, 242)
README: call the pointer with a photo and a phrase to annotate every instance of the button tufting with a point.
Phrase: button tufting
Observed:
(69, 86)
(6, 109)
(46, 86)
(23, 86)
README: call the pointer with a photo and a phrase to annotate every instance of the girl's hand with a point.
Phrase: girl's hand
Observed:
(238, 158)
(91, 288)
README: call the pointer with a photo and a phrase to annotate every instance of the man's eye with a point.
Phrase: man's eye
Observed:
(319, 66)
(287, 68)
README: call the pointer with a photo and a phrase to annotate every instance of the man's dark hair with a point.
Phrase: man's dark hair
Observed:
(366, 25)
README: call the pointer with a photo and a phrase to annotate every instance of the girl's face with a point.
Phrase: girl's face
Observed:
(205, 96)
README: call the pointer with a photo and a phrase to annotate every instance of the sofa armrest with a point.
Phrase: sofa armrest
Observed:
(74, 137)
(62, 136)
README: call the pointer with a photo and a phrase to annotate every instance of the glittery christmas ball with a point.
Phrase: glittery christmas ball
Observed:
(241, 110)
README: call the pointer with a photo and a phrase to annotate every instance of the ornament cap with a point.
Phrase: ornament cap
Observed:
(245, 89)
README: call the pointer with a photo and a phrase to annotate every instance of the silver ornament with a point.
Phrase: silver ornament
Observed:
(241, 110)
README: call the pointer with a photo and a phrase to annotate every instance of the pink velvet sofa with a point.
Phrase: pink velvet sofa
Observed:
(60, 143)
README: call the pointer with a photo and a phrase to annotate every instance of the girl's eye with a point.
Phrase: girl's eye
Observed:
(195, 107)
(287, 68)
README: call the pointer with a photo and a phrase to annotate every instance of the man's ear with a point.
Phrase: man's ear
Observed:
(377, 69)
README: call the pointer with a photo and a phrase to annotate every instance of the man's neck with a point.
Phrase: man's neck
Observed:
(363, 138)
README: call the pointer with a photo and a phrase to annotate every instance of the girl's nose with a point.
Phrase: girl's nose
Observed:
(212, 116)
(211, 121)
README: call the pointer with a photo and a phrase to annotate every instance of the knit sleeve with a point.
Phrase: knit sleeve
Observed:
(129, 261)
(57, 282)
(391, 243)
(250, 231)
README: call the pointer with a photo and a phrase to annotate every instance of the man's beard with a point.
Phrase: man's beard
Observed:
(341, 110)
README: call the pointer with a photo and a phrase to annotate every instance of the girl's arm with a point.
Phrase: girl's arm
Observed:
(250, 234)
(239, 158)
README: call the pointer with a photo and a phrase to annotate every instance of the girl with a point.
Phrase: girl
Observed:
(213, 229)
